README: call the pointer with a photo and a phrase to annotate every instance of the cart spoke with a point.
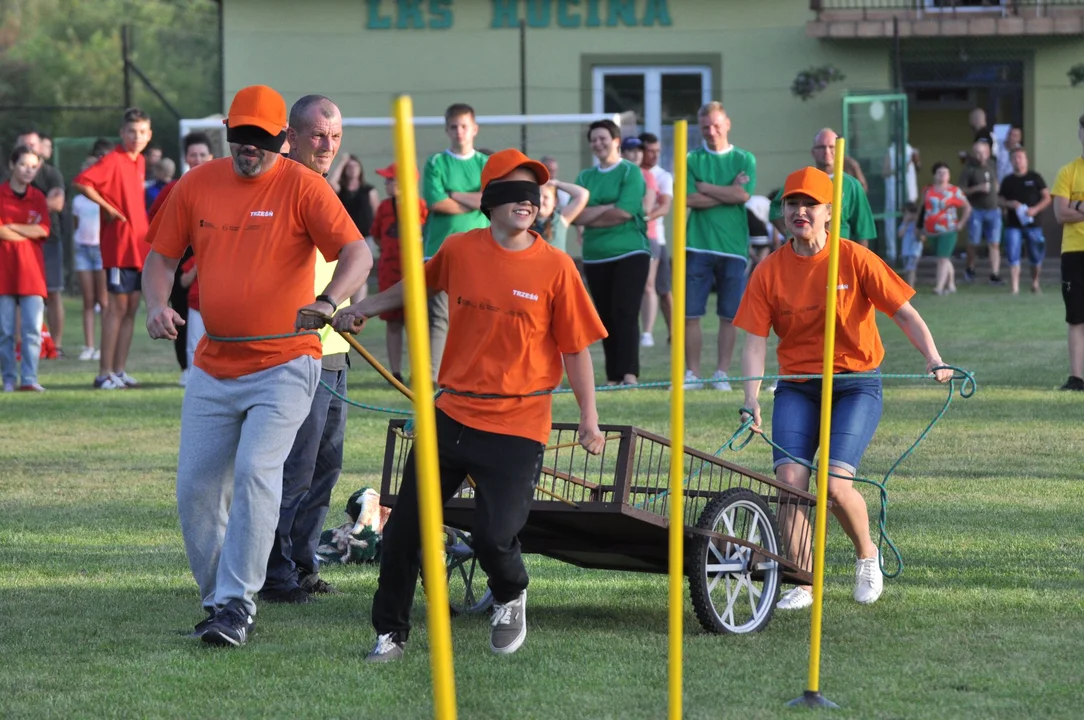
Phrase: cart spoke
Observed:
(731, 597)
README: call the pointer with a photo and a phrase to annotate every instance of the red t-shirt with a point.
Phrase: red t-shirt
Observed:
(22, 264)
(119, 180)
(193, 289)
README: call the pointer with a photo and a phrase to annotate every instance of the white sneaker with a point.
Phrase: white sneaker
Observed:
(97, 354)
(183, 381)
(868, 581)
(646, 340)
(86, 354)
(108, 382)
(795, 599)
(125, 379)
(692, 382)
(719, 381)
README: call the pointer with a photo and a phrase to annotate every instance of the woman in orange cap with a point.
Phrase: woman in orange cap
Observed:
(517, 311)
(786, 293)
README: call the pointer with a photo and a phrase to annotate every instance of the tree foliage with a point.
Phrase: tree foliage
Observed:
(68, 52)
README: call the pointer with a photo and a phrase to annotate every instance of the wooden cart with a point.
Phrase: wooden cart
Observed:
(611, 512)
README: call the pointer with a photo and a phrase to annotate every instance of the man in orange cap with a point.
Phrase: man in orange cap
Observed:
(519, 310)
(254, 222)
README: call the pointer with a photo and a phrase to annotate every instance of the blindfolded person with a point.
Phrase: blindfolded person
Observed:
(255, 222)
(517, 310)
(786, 293)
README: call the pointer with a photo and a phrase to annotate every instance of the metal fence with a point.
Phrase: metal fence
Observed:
(938, 8)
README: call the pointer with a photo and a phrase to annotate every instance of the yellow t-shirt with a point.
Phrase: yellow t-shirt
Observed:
(332, 341)
(1070, 184)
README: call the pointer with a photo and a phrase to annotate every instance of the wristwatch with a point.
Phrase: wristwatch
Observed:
(327, 298)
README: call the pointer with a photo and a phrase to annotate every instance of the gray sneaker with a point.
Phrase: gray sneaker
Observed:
(387, 649)
(509, 625)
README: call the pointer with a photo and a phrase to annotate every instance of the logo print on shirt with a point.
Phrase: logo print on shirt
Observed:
(843, 287)
(525, 295)
(262, 213)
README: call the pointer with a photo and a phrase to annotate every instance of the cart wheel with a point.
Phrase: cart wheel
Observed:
(733, 588)
(465, 576)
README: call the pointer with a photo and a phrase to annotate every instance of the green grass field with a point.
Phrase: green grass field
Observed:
(985, 622)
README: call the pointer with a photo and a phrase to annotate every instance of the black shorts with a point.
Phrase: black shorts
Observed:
(123, 281)
(1072, 286)
(663, 272)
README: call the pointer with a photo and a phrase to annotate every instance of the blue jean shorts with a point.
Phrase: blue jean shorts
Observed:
(88, 258)
(796, 418)
(1036, 245)
(705, 270)
(984, 224)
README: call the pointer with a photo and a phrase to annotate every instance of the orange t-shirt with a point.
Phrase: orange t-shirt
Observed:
(787, 293)
(511, 315)
(254, 241)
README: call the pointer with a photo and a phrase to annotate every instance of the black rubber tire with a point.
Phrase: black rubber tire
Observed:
(697, 561)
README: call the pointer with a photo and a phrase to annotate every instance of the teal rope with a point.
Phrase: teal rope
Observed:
(967, 388)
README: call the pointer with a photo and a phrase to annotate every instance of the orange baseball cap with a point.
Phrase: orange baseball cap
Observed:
(259, 106)
(809, 181)
(389, 172)
(503, 162)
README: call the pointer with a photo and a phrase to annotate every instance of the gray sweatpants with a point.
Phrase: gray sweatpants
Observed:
(438, 329)
(235, 436)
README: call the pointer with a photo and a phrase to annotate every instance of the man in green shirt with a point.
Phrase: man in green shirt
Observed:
(452, 188)
(856, 223)
(721, 179)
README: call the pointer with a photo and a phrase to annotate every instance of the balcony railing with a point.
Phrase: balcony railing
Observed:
(881, 18)
(938, 8)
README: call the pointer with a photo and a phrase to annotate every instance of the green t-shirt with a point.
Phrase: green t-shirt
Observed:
(621, 185)
(856, 223)
(446, 173)
(723, 229)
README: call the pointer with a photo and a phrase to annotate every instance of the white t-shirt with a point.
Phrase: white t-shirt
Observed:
(910, 175)
(89, 231)
(666, 187)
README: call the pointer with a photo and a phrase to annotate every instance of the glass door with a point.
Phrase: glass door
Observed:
(658, 95)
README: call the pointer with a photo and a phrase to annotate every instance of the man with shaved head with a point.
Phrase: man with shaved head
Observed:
(312, 469)
(856, 222)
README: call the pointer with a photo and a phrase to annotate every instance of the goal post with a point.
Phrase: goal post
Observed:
(559, 135)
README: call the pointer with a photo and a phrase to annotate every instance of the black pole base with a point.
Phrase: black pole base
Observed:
(812, 699)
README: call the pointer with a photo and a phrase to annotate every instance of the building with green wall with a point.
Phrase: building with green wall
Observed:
(663, 58)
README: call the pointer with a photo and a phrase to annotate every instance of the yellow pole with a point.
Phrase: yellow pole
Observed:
(677, 419)
(812, 694)
(425, 441)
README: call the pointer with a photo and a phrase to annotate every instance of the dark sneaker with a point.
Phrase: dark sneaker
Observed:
(230, 628)
(316, 585)
(508, 625)
(996, 280)
(969, 274)
(293, 596)
(388, 649)
(1074, 383)
(202, 625)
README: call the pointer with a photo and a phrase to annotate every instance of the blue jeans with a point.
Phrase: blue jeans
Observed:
(984, 224)
(726, 273)
(1014, 240)
(856, 409)
(308, 477)
(32, 309)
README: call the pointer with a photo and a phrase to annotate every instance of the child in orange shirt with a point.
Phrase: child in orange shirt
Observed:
(517, 309)
(385, 231)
